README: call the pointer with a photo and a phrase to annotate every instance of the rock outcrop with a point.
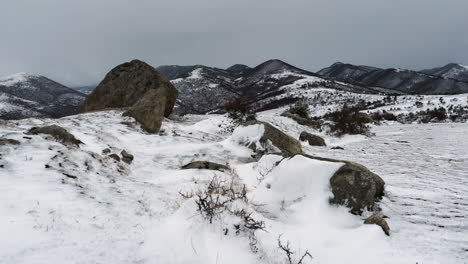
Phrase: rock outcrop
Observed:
(313, 140)
(205, 165)
(139, 87)
(379, 220)
(57, 132)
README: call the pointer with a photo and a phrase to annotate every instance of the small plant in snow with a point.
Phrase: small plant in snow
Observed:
(289, 253)
(220, 196)
(300, 110)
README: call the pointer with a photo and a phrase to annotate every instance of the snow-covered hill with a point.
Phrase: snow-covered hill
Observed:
(203, 89)
(405, 81)
(25, 95)
(64, 204)
(451, 70)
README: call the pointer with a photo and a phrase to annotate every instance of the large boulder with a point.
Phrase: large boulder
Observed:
(57, 132)
(313, 140)
(140, 88)
(356, 187)
(272, 135)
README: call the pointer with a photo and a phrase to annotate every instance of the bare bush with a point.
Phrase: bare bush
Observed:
(218, 197)
(384, 115)
(289, 253)
(349, 120)
(300, 110)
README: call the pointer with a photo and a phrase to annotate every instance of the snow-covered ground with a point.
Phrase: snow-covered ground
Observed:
(112, 212)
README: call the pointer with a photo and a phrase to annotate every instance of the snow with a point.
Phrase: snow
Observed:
(424, 167)
(15, 79)
(113, 212)
(196, 74)
(246, 135)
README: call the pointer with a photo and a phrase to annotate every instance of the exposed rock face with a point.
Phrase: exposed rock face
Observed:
(150, 110)
(8, 141)
(205, 165)
(59, 133)
(379, 220)
(139, 87)
(356, 187)
(313, 140)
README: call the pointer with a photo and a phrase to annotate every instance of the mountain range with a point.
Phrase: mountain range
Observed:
(450, 79)
(204, 89)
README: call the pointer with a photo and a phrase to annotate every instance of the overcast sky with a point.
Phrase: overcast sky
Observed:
(77, 41)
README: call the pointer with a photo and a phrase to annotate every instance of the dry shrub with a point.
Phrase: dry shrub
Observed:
(349, 120)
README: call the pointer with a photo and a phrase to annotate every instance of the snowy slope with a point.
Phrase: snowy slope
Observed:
(26, 95)
(111, 212)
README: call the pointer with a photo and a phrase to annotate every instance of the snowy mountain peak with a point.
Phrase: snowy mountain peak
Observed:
(16, 78)
(455, 71)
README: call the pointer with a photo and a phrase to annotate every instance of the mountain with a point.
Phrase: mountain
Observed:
(24, 95)
(406, 81)
(273, 83)
(451, 70)
(238, 68)
(85, 89)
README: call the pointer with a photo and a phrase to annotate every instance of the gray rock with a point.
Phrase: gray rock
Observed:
(356, 187)
(135, 85)
(287, 144)
(106, 151)
(313, 140)
(206, 165)
(149, 110)
(59, 133)
(126, 157)
(114, 156)
(379, 220)
(302, 120)
(338, 148)
(8, 141)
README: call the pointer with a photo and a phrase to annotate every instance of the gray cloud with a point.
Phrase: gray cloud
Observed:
(77, 42)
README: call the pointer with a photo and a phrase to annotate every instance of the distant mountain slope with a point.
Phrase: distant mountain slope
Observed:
(451, 70)
(406, 81)
(85, 89)
(203, 89)
(25, 95)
